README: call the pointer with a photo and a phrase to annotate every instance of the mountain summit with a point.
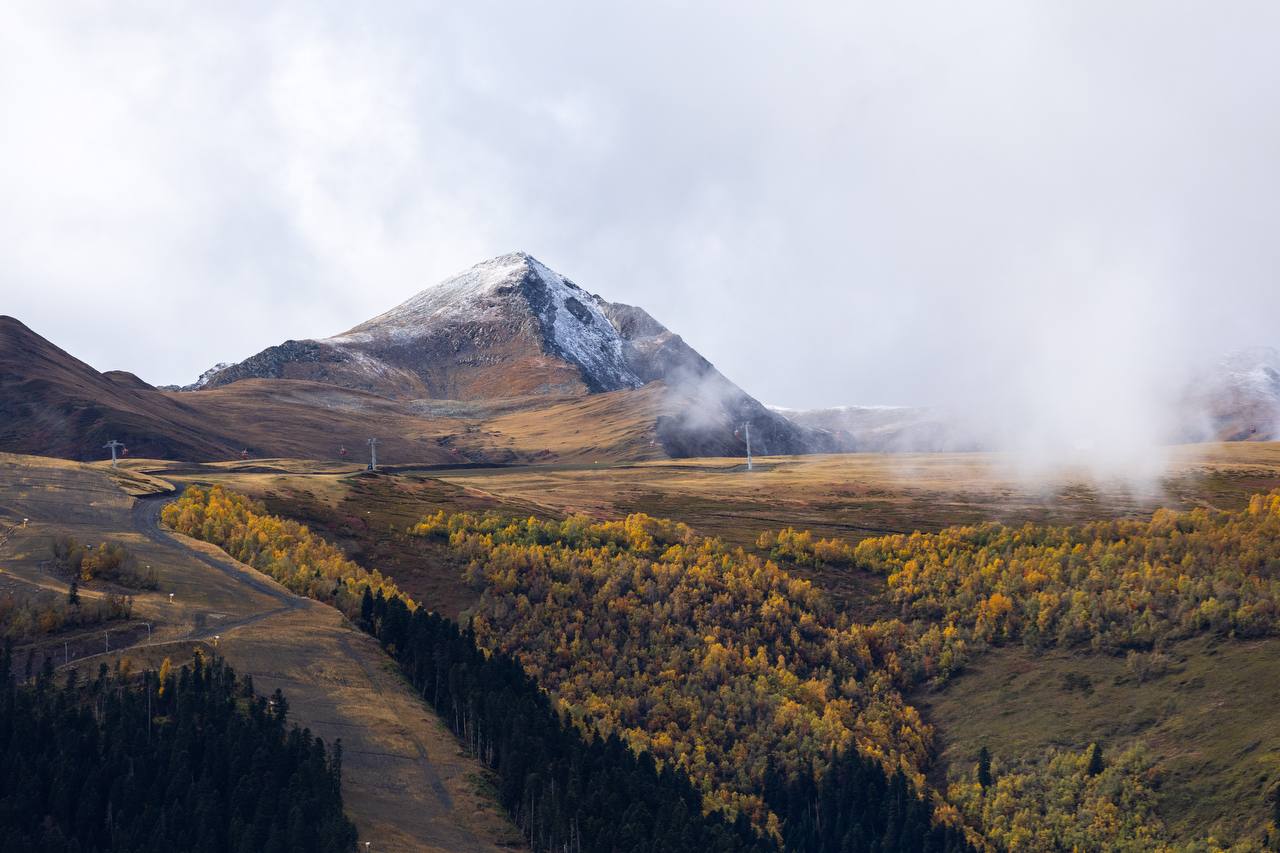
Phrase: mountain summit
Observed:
(507, 327)
(511, 327)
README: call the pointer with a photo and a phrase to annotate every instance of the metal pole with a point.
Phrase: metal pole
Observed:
(747, 429)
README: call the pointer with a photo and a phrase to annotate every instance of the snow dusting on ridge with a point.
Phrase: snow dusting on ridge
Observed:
(460, 297)
(573, 322)
(581, 331)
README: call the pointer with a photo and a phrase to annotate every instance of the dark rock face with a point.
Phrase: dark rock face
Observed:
(316, 361)
(279, 362)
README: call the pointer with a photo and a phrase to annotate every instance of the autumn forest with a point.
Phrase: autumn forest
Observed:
(716, 699)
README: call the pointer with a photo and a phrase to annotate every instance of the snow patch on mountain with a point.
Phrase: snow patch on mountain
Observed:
(574, 323)
(203, 379)
(581, 332)
(1255, 369)
(468, 296)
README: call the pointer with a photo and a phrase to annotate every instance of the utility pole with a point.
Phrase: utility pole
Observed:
(373, 454)
(114, 445)
(746, 431)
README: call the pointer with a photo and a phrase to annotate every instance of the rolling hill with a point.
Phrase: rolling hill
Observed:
(53, 404)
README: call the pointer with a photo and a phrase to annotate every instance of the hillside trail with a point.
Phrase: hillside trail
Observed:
(406, 783)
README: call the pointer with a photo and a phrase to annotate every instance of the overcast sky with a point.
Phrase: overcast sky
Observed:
(835, 203)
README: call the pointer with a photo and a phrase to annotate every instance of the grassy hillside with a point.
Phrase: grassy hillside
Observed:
(1211, 722)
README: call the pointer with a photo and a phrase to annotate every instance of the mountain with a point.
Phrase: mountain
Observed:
(887, 429)
(507, 327)
(507, 362)
(53, 404)
(1238, 399)
(511, 327)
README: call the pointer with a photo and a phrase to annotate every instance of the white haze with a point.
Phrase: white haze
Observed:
(1040, 216)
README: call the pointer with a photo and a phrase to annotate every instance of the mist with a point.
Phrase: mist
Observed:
(1040, 219)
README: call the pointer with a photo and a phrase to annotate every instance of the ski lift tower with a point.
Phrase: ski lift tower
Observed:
(373, 454)
(114, 446)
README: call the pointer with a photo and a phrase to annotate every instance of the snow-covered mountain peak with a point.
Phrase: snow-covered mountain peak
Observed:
(512, 288)
(467, 292)
(511, 328)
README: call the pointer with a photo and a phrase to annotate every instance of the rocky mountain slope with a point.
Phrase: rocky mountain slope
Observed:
(511, 327)
(506, 362)
(547, 335)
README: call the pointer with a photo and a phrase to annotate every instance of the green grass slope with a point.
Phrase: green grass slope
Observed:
(1211, 721)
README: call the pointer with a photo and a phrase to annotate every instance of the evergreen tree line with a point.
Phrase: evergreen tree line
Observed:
(856, 808)
(572, 793)
(187, 761)
(565, 792)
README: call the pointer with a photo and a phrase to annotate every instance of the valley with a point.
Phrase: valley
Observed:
(563, 595)
(659, 428)
(1196, 717)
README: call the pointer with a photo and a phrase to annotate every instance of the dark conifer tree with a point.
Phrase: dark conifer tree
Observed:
(366, 610)
(1095, 761)
(984, 767)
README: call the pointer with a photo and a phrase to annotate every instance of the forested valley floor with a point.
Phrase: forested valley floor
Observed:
(741, 685)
